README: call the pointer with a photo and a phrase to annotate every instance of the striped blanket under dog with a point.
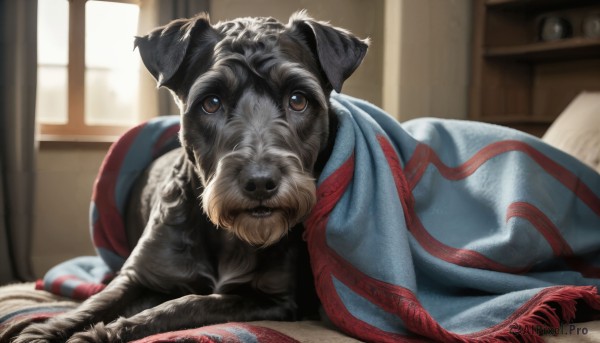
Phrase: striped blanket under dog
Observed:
(428, 230)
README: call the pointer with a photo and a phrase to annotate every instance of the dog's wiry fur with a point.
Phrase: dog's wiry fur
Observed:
(220, 218)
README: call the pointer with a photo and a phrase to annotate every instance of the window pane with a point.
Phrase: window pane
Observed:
(112, 67)
(53, 27)
(51, 102)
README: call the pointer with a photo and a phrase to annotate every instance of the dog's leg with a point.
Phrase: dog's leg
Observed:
(189, 311)
(104, 306)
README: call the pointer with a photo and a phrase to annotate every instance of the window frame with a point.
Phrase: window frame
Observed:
(76, 129)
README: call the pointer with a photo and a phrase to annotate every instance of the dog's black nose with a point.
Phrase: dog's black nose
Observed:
(260, 182)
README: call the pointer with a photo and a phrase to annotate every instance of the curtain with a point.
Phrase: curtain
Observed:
(18, 73)
(154, 13)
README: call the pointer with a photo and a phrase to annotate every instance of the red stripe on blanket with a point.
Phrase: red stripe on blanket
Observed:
(542, 224)
(473, 259)
(32, 314)
(404, 191)
(10, 327)
(81, 291)
(390, 298)
(221, 333)
(462, 257)
(109, 231)
(338, 313)
(326, 262)
(560, 247)
(328, 194)
(58, 282)
(163, 139)
(86, 290)
(425, 155)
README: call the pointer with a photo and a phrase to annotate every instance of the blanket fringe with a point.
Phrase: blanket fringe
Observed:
(542, 317)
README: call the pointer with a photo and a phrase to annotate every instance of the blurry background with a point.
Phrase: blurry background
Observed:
(91, 86)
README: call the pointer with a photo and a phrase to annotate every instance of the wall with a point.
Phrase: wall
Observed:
(427, 56)
(64, 179)
(361, 17)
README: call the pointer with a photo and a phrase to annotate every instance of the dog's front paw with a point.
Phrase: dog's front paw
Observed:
(100, 333)
(40, 333)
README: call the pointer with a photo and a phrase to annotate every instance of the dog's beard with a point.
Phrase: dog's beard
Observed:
(260, 223)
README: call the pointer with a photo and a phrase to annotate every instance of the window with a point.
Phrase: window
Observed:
(88, 73)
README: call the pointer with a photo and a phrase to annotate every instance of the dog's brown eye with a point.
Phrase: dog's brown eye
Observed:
(298, 102)
(211, 104)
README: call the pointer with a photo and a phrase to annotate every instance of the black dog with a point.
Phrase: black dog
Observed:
(215, 216)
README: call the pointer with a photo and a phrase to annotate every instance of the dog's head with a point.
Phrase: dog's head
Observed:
(253, 95)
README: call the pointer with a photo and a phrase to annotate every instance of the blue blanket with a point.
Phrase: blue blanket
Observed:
(431, 229)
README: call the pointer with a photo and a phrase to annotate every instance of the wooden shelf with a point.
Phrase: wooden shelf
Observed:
(519, 81)
(516, 119)
(534, 5)
(533, 125)
(568, 48)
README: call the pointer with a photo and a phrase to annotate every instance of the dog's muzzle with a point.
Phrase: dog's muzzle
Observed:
(259, 201)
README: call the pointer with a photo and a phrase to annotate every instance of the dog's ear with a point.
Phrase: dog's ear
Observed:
(164, 49)
(338, 51)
